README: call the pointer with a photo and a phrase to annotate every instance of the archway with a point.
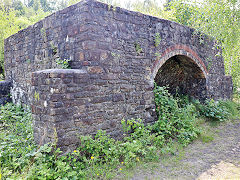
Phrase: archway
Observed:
(183, 76)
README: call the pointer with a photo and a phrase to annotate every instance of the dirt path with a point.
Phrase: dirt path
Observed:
(223, 170)
(218, 159)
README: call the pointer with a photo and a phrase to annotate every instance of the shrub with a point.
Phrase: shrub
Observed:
(175, 121)
(232, 108)
(213, 110)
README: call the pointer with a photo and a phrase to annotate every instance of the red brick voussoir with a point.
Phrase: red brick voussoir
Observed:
(178, 49)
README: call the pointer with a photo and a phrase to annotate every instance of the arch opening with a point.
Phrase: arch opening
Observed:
(183, 76)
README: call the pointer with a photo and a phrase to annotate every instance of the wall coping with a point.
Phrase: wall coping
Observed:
(61, 71)
(5, 83)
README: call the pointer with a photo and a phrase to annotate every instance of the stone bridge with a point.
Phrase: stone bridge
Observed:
(115, 57)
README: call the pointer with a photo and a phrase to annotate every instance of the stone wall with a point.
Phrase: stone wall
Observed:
(5, 87)
(58, 36)
(117, 59)
(71, 102)
(97, 37)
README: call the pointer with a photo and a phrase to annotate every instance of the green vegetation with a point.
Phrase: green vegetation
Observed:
(16, 140)
(115, 55)
(16, 15)
(36, 96)
(43, 33)
(138, 48)
(157, 39)
(63, 63)
(179, 123)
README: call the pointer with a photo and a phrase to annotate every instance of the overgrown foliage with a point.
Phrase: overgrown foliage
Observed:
(101, 156)
(16, 140)
(174, 121)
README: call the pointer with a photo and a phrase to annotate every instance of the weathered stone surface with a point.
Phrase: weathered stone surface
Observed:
(115, 61)
(5, 87)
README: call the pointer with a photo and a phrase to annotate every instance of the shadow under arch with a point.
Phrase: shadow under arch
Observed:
(182, 75)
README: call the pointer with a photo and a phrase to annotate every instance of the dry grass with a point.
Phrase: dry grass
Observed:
(221, 171)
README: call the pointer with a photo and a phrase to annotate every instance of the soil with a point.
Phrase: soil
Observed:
(217, 159)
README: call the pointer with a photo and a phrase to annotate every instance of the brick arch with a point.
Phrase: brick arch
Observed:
(182, 70)
(178, 50)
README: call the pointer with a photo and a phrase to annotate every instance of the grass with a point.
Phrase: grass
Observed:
(206, 138)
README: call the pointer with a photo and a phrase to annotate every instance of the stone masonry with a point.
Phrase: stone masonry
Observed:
(116, 55)
(5, 87)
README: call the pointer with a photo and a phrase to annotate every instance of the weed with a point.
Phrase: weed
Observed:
(1, 77)
(54, 49)
(158, 55)
(28, 61)
(16, 140)
(138, 48)
(63, 63)
(157, 39)
(206, 138)
(213, 110)
(115, 55)
(174, 122)
(201, 41)
(232, 108)
(36, 96)
(210, 63)
(43, 33)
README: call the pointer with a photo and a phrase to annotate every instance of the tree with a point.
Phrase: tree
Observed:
(8, 26)
(14, 15)
(19, 7)
(221, 20)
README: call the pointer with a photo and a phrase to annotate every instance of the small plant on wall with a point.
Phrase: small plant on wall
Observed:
(157, 39)
(63, 63)
(138, 48)
(54, 49)
(43, 33)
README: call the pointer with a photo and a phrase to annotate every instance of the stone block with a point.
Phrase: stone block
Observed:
(95, 69)
(117, 98)
(102, 99)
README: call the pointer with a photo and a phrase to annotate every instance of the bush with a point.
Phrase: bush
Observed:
(175, 121)
(232, 108)
(213, 110)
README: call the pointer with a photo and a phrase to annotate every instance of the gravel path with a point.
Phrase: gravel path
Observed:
(218, 159)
